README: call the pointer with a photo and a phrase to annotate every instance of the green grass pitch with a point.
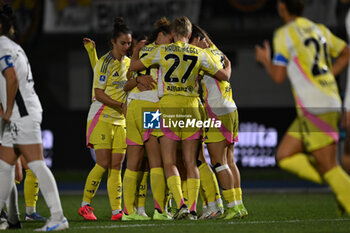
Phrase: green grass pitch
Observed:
(268, 212)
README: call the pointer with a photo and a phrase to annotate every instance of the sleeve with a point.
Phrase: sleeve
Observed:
(5, 62)
(92, 54)
(151, 58)
(281, 54)
(208, 64)
(335, 44)
(101, 74)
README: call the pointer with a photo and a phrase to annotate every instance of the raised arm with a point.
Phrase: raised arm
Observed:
(225, 73)
(263, 55)
(136, 63)
(342, 61)
(90, 47)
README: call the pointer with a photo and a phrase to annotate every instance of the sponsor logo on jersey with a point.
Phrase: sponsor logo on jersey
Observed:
(116, 74)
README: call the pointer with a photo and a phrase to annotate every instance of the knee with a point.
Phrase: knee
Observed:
(280, 155)
(104, 164)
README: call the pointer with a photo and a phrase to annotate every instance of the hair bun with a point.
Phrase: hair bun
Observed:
(118, 22)
(162, 22)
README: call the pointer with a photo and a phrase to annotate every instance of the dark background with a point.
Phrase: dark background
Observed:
(63, 76)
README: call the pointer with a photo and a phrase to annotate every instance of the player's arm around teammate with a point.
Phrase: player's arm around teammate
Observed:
(139, 138)
(220, 141)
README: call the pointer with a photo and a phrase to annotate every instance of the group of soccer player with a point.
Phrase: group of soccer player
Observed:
(176, 73)
(162, 76)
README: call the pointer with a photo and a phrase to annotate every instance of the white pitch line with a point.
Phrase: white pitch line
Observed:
(213, 222)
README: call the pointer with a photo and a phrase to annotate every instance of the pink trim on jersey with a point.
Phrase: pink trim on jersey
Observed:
(217, 84)
(225, 132)
(195, 136)
(170, 134)
(93, 125)
(324, 126)
(236, 139)
(147, 134)
(296, 60)
(131, 143)
(162, 81)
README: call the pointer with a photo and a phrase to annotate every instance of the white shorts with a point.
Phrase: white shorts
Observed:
(23, 131)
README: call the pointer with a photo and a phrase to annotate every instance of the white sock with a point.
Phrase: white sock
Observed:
(114, 212)
(48, 187)
(7, 177)
(84, 203)
(141, 210)
(30, 210)
(12, 206)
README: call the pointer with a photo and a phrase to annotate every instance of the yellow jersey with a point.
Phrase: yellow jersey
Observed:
(306, 48)
(217, 94)
(150, 95)
(110, 76)
(179, 65)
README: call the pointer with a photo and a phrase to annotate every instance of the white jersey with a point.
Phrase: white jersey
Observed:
(27, 102)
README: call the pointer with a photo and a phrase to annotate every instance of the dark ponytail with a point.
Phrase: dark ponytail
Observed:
(119, 27)
(162, 25)
(7, 18)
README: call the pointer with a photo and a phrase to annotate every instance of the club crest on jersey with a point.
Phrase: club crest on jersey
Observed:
(102, 78)
(116, 74)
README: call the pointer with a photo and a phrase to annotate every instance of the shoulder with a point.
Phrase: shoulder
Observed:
(149, 48)
(103, 62)
(6, 46)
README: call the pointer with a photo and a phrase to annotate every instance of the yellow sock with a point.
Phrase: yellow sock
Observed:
(92, 182)
(203, 198)
(229, 196)
(158, 188)
(129, 190)
(142, 190)
(340, 184)
(184, 191)
(114, 188)
(193, 189)
(217, 189)
(207, 182)
(31, 189)
(300, 165)
(238, 194)
(174, 184)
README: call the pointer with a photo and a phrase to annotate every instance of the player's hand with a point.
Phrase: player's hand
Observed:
(1, 110)
(263, 54)
(141, 87)
(227, 62)
(87, 41)
(7, 115)
(138, 46)
(203, 44)
(147, 81)
(345, 121)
